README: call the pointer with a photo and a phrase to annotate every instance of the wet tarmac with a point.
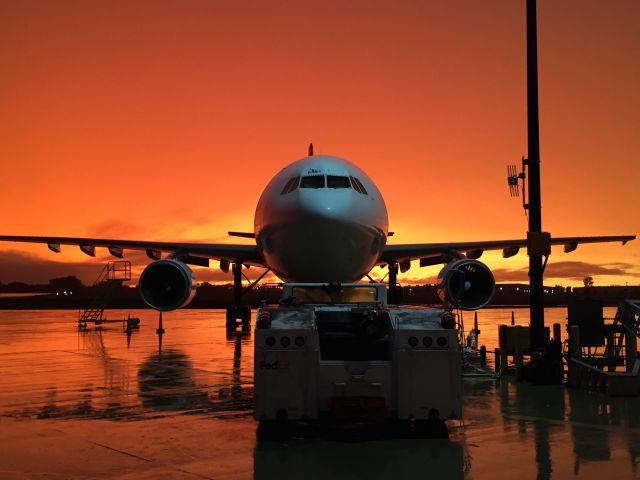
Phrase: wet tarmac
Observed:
(102, 403)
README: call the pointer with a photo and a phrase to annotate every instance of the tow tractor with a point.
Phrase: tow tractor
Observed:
(338, 352)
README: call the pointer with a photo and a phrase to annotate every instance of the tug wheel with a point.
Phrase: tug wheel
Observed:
(277, 429)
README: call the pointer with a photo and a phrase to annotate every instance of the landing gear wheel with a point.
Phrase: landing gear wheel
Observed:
(242, 313)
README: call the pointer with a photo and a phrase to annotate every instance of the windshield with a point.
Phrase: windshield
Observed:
(312, 181)
(334, 181)
(324, 294)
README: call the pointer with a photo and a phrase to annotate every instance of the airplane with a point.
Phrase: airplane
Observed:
(320, 219)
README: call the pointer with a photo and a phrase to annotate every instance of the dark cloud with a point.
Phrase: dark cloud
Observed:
(515, 276)
(579, 270)
(571, 271)
(18, 266)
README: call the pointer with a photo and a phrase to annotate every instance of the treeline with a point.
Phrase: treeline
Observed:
(518, 294)
(70, 293)
(54, 285)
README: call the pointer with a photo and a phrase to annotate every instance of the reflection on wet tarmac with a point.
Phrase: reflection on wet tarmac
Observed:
(111, 373)
(437, 459)
(165, 382)
(196, 382)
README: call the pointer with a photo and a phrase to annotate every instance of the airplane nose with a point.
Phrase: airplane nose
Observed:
(325, 203)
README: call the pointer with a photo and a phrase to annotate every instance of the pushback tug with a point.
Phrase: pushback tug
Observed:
(339, 352)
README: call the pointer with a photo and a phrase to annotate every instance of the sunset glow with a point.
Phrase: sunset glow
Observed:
(158, 120)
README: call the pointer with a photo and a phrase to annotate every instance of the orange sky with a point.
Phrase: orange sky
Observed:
(163, 120)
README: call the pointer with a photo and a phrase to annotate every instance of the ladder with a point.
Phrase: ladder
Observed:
(112, 274)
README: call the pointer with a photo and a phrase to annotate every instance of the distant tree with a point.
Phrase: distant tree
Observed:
(17, 287)
(69, 283)
(588, 282)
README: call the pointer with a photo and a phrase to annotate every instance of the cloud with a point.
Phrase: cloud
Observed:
(19, 266)
(505, 275)
(116, 228)
(181, 227)
(571, 270)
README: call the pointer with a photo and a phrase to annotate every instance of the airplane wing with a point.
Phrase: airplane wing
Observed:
(195, 253)
(435, 253)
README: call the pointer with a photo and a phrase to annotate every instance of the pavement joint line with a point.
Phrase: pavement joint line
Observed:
(147, 460)
(121, 451)
(194, 474)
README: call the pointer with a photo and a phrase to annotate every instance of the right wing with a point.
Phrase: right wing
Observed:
(434, 253)
(246, 254)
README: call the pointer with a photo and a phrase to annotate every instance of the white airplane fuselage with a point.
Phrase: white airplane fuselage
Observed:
(321, 219)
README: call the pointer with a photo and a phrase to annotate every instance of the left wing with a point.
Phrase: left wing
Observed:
(435, 253)
(246, 254)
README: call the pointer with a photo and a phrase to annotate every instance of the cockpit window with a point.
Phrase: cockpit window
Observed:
(312, 181)
(290, 186)
(357, 186)
(334, 181)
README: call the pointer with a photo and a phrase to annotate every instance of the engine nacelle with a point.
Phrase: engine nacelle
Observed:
(466, 284)
(167, 284)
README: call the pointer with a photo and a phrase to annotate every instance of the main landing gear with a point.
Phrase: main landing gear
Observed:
(241, 313)
(394, 294)
(238, 314)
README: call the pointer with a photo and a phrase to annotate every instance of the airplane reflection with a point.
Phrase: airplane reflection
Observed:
(166, 382)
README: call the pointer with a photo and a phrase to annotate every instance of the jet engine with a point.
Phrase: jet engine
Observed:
(466, 284)
(167, 284)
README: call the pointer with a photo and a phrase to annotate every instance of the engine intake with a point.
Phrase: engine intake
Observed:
(466, 284)
(167, 284)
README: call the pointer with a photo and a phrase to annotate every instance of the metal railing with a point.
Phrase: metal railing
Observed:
(112, 275)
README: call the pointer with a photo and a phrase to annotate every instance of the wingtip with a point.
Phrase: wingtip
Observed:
(630, 239)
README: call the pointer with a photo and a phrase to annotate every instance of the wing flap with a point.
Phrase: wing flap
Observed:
(510, 251)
